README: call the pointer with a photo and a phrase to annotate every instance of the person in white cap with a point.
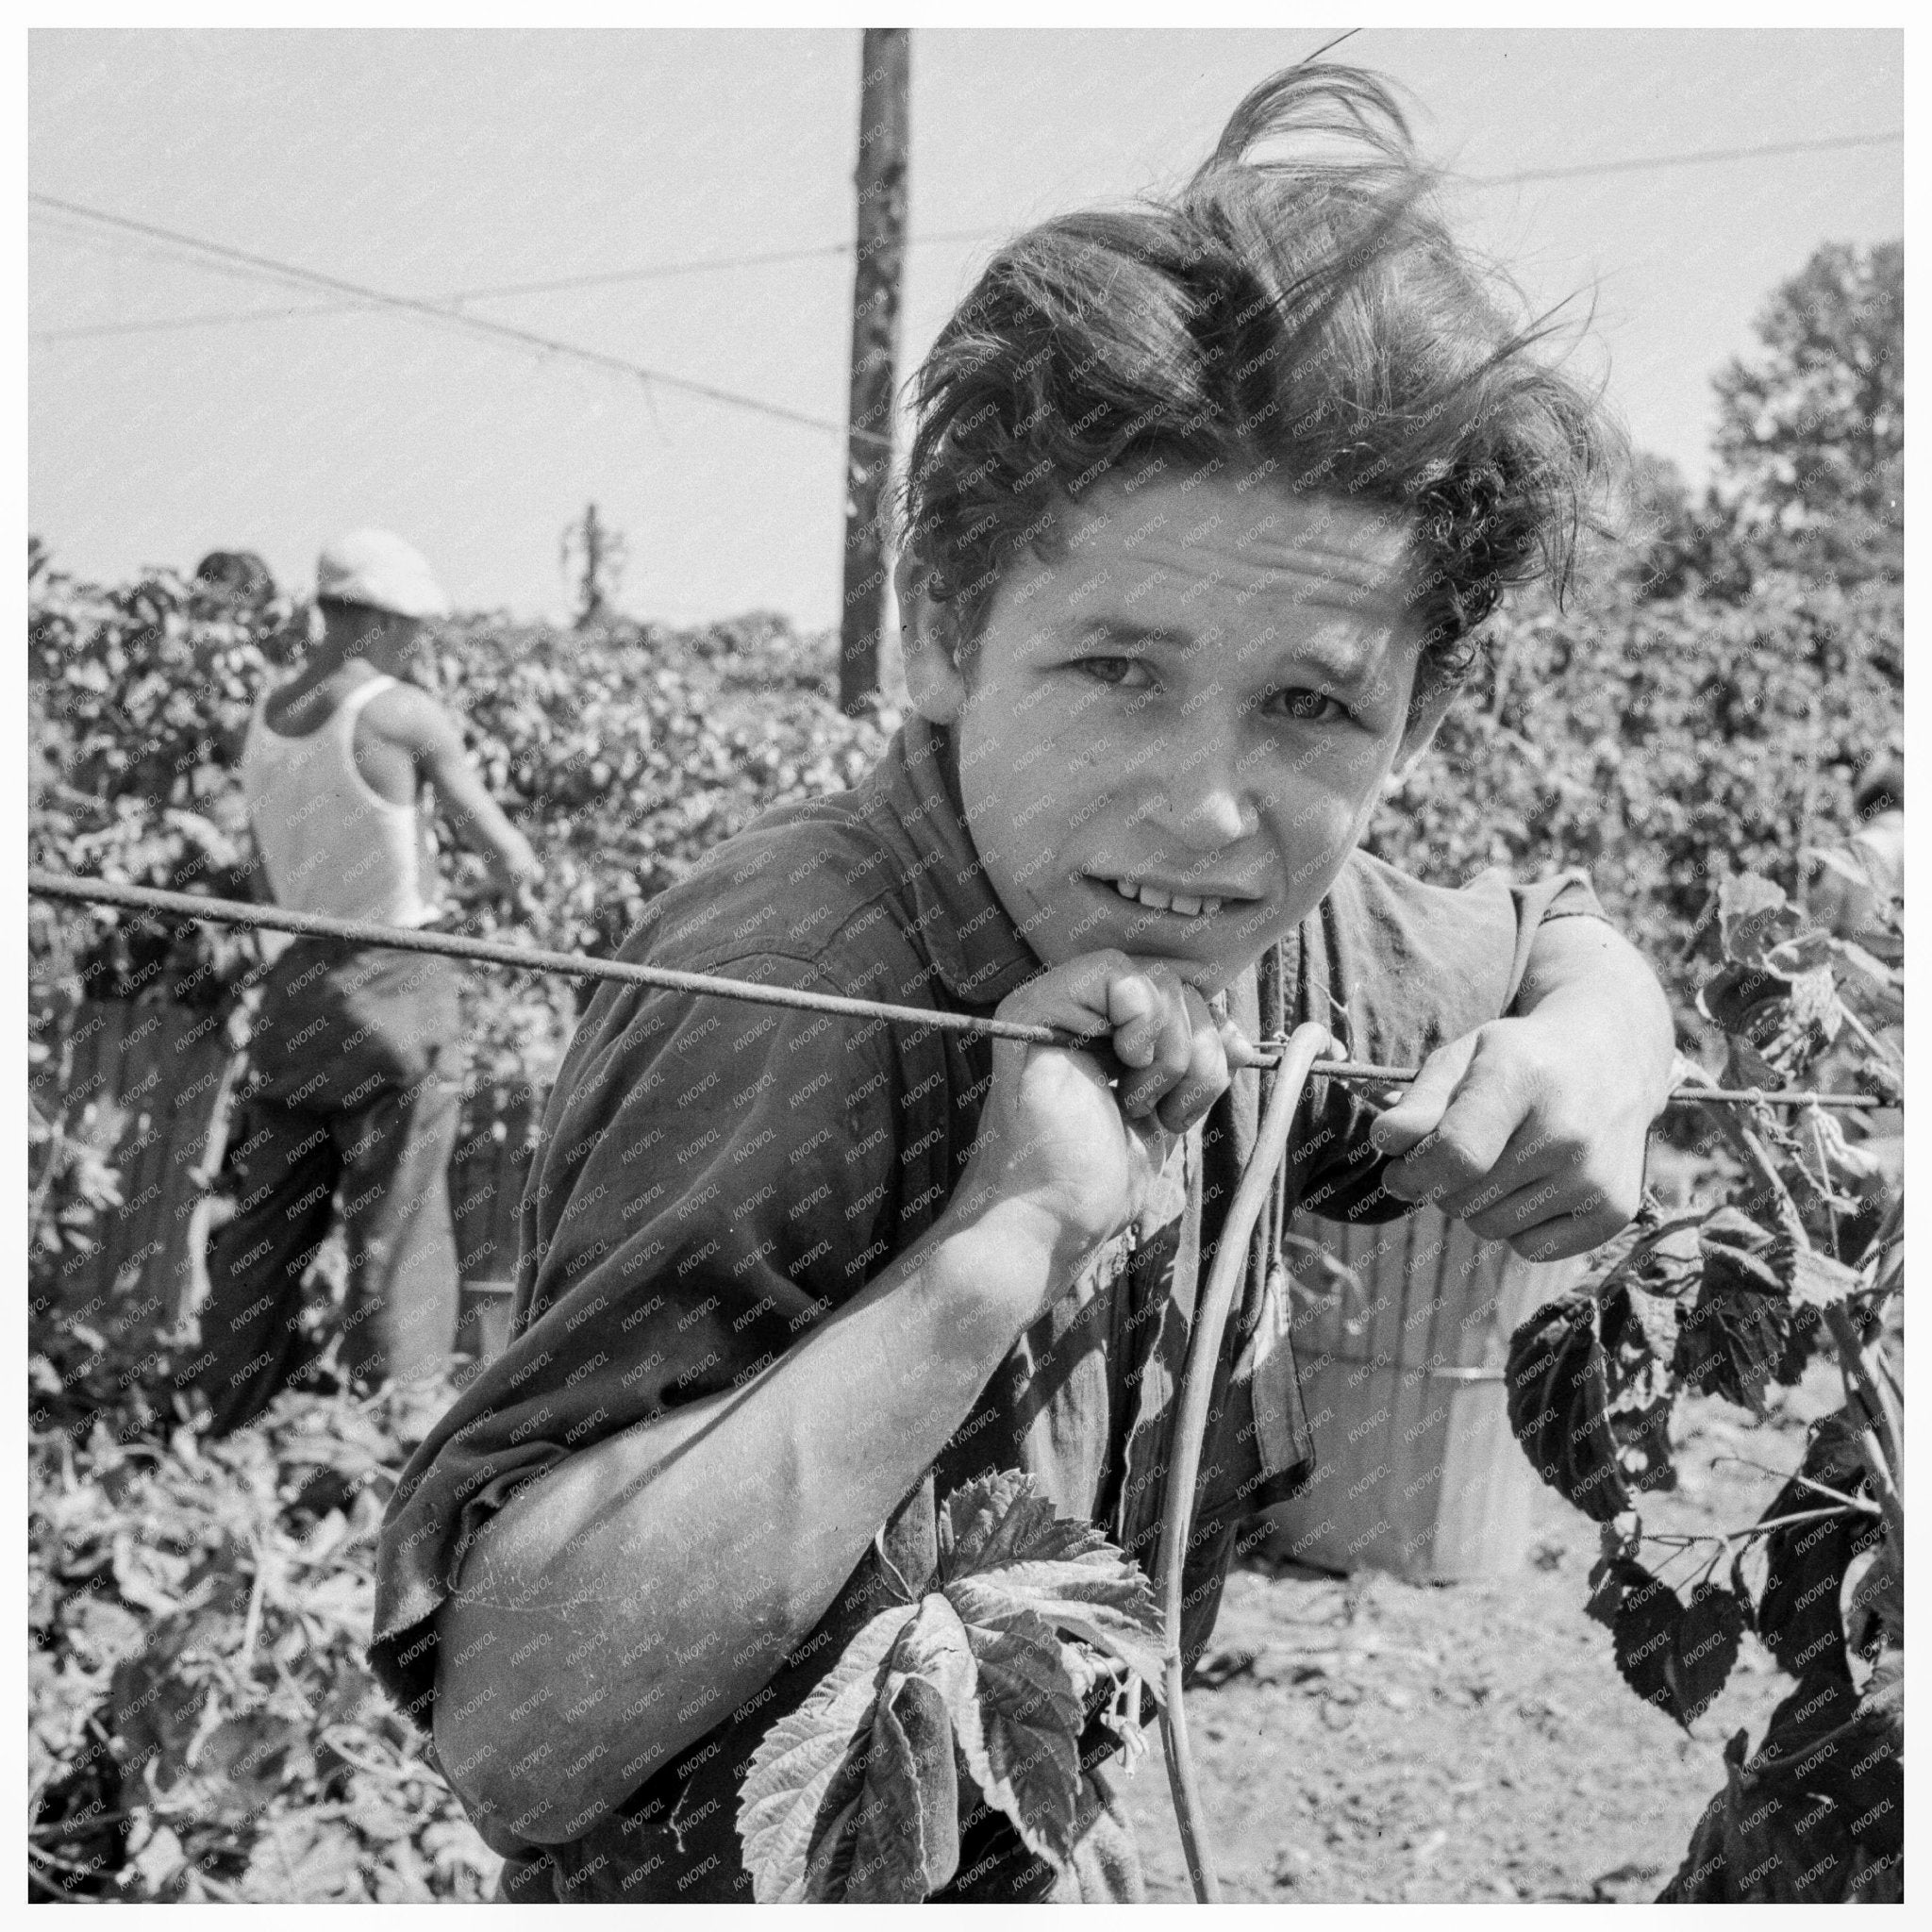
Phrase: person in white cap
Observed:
(354, 1060)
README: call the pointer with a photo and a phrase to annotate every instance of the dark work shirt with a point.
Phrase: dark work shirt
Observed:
(715, 1178)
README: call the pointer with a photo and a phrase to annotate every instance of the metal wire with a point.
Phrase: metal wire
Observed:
(364, 932)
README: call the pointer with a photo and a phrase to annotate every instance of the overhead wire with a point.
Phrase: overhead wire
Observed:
(1691, 158)
(507, 291)
(296, 274)
(448, 305)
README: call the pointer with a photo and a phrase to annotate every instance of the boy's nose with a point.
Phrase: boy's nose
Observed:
(1203, 806)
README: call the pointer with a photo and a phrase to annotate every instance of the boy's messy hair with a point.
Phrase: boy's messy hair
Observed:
(1307, 318)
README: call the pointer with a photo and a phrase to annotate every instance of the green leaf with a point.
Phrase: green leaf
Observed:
(989, 1521)
(1644, 1629)
(795, 1762)
(1753, 916)
(1026, 1760)
(1882, 1706)
(1061, 1568)
(1706, 1647)
(1798, 1614)
(906, 1843)
(245, 1761)
(1558, 1396)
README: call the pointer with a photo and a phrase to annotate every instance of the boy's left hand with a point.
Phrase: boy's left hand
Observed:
(1533, 1129)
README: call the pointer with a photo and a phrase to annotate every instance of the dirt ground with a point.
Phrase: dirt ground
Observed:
(1378, 1740)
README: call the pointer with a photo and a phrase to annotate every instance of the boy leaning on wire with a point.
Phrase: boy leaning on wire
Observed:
(1205, 503)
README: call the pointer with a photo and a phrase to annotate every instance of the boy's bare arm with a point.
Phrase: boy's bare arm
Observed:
(418, 723)
(620, 1605)
(624, 1603)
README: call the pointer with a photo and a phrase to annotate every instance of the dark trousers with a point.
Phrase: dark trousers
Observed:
(354, 1084)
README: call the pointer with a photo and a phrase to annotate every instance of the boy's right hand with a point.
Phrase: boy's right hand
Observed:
(1070, 1155)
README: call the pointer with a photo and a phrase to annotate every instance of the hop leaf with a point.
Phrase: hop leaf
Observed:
(1706, 1643)
(856, 1795)
(1558, 1404)
(1806, 1562)
(779, 1808)
(1744, 1330)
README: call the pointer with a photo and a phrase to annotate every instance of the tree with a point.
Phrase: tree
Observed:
(599, 552)
(1810, 438)
(1674, 546)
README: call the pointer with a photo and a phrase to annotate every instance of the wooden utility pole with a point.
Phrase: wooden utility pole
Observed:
(883, 118)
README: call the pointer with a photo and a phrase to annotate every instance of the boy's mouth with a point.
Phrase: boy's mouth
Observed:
(1185, 904)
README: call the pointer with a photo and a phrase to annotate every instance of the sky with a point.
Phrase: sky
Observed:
(429, 163)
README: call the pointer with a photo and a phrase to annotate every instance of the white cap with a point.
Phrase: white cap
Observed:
(373, 568)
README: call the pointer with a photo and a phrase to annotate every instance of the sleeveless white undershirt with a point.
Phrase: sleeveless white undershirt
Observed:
(330, 841)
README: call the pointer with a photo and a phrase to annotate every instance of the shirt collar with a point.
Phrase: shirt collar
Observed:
(975, 947)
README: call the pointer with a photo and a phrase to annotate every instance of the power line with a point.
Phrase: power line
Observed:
(293, 273)
(662, 270)
(606, 278)
(446, 308)
(1696, 157)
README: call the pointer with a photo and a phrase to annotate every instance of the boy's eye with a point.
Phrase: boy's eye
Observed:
(1307, 707)
(1115, 671)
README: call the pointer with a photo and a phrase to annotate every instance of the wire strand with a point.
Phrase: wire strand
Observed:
(51, 885)
(503, 291)
(295, 273)
(444, 306)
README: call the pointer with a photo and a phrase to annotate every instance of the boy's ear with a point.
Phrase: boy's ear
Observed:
(1425, 721)
(933, 677)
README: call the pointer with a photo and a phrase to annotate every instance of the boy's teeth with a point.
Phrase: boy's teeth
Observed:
(1165, 902)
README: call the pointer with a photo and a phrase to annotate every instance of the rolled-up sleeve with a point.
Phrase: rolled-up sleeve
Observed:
(704, 1193)
(1395, 969)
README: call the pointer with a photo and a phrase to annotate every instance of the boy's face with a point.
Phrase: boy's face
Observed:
(1198, 704)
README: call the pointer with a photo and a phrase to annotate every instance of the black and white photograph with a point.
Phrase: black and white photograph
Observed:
(965, 962)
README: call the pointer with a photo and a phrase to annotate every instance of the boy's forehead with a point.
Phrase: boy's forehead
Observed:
(1227, 544)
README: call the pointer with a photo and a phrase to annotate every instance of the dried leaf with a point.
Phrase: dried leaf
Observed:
(1815, 1279)
(1640, 1389)
(1742, 1332)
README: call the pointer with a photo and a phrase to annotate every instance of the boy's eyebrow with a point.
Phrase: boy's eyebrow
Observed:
(1127, 630)
(1331, 658)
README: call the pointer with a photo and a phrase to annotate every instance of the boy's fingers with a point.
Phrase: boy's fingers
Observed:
(1420, 1110)
(1137, 1008)
(1472, 1126)
(1564, 1234)
(1207, 1075)
(1073, 1000)
(1162, 1039)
